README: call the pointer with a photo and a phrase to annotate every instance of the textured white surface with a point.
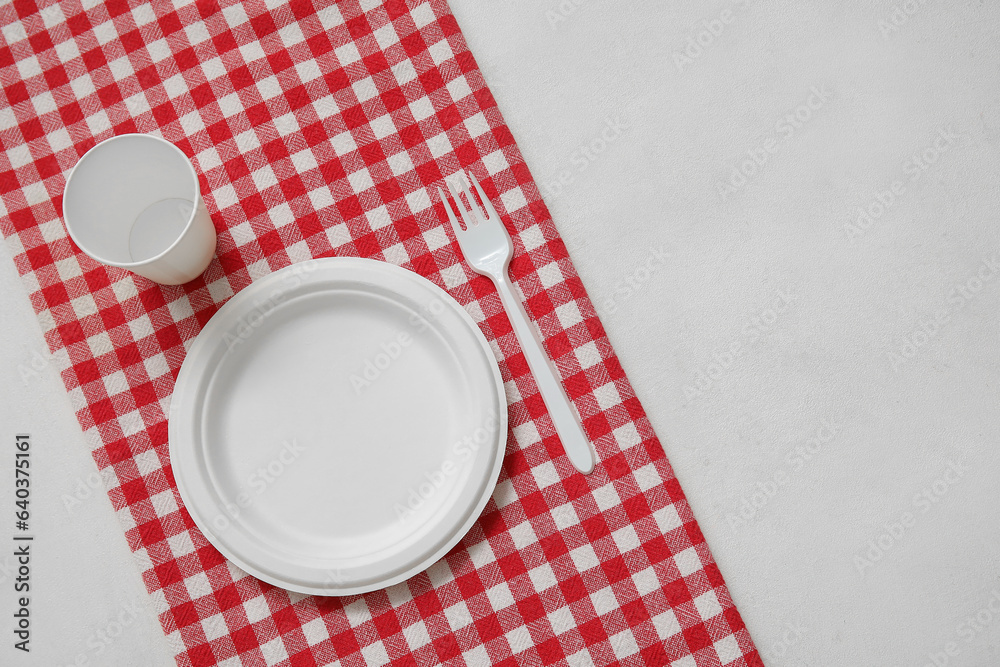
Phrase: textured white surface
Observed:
(853, 295)
(641, 140)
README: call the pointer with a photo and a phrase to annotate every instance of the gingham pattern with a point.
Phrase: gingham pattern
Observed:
(321, 132)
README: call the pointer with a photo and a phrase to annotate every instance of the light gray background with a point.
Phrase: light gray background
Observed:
(826, 426)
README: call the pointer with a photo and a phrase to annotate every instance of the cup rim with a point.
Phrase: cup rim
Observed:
(187, 225)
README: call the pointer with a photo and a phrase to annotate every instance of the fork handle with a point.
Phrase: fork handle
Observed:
(574, 439)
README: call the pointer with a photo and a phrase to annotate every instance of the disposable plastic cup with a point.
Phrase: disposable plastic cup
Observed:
(133, 201)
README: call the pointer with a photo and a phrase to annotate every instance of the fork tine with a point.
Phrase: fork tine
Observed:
(451, 213)
(491, 213)
(466, 220)
(477, 214)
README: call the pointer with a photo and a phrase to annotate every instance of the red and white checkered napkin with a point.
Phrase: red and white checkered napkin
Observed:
(320, 132)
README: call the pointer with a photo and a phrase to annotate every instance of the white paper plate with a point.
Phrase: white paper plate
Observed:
(338, 426)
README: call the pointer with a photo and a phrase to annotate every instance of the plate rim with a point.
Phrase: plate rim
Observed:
(186, 376)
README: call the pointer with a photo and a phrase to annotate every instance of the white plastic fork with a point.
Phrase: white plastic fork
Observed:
(488, 249)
